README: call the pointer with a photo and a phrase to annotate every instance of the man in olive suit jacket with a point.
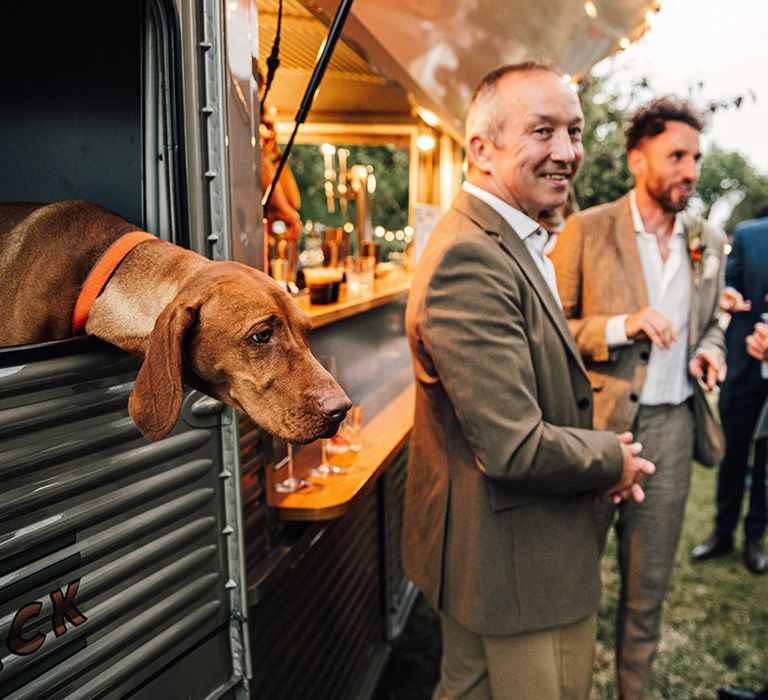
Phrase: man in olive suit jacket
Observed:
(641, 293)
(499, 530)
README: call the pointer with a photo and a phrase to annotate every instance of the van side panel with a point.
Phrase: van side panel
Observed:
(113, 550)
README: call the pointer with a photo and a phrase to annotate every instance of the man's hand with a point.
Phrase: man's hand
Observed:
(757, 343)
(708, 367)
(652, 324)
(635, 470)
(733, 302)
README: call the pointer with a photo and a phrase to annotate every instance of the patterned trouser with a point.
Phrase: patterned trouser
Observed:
(648, 534)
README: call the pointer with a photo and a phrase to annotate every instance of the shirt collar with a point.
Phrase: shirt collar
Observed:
(521, 224)
(637, 221)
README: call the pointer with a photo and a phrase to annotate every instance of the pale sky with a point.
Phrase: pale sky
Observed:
(723, 43)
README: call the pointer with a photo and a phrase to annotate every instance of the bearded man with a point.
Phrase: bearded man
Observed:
(640, 290)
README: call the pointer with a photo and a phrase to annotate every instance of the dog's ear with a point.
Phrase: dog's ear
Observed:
(155, 401)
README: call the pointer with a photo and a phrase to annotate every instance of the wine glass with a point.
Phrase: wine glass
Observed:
(290, 483)
(350, 428)
(325, 468)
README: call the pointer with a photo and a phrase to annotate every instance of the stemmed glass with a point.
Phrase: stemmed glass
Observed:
(290, 483)
(325, 468)
(351, 427)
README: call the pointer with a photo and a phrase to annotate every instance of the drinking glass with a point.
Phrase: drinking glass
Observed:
(350, 428)
(360, 274)
(290, 483)
(325, 468)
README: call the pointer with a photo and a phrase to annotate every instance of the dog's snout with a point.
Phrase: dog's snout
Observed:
(336, 406)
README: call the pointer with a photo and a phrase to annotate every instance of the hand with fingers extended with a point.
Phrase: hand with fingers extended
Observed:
(733, 302)
(757, 342)
(708, 366)
(652, 324)
(635, 470)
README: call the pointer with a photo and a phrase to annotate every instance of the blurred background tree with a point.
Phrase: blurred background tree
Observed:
(604, 175)
(390, 168)
(729, 185)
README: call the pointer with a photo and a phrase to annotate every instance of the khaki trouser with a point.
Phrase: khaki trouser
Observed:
(553, 664)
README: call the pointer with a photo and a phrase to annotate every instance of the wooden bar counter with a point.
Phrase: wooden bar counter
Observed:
(385, 289)
(332, 496)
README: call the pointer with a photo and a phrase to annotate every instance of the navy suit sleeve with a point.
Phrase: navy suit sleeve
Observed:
(734, 267)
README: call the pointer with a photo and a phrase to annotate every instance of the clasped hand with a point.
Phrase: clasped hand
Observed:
(635, 470)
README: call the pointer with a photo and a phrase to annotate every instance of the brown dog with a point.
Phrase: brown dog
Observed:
(222, 327)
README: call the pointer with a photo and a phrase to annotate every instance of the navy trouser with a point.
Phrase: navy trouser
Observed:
(740, 406)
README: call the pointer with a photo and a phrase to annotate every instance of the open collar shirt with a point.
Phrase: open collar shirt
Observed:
(668, 287)
(530, 233)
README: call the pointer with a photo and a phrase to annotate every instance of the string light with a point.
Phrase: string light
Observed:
(429, 117)
(425, 143)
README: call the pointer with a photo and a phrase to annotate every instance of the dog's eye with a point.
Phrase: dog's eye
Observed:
(262, 336)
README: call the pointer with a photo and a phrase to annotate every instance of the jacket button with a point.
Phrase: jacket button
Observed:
(644, 355)
(634, 397)
(584, 403)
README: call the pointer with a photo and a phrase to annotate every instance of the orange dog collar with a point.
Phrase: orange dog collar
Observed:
(100, 274)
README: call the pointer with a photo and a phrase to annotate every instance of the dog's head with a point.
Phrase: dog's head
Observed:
(236, 335)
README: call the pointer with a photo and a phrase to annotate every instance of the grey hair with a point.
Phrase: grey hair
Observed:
(484, 114)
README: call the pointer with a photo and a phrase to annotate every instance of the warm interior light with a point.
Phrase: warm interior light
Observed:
(349, 227)
(567, 79)
(429, 117)
(379, 231)
(624, 43)
(590, 9)
(327, 149)
(425, 143)
(727, 248)
(650, 16)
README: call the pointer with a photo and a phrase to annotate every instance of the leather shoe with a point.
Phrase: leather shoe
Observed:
(754, 558)
(715, 546)
(731, 693)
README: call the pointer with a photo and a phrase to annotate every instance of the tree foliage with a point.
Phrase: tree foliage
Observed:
(727, 175)
(604, 175)
(389, 202)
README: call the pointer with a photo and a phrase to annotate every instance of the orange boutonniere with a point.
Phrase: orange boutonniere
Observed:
(696, 246)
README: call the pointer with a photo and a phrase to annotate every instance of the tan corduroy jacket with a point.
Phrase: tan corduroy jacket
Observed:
(599, 275)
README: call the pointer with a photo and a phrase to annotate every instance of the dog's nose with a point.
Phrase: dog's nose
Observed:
(336, 406)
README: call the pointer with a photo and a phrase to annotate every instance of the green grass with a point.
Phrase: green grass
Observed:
(715, 629)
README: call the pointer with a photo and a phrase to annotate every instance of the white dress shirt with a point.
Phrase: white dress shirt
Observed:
(531, 234)
(668, 286)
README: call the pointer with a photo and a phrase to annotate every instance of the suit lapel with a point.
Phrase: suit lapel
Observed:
(496, 226)
(625, 241)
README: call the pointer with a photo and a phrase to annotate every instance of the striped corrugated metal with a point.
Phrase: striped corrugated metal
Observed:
(255, 511)
(400, 591)
(319, 634)
(112, 549)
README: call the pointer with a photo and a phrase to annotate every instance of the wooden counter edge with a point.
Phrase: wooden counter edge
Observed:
(382, 440)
